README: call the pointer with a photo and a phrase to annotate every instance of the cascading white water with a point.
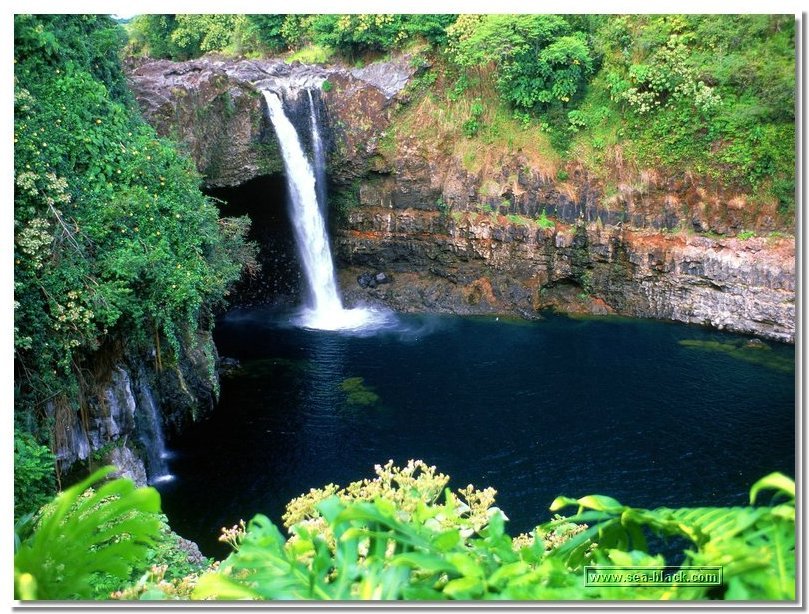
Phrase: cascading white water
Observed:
(152, 436)
(319, 156)
(325, 309)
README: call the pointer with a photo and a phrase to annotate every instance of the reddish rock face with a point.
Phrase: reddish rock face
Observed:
(634, 249)
(484, 264)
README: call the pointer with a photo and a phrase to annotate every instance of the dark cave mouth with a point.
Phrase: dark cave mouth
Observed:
(264, 201)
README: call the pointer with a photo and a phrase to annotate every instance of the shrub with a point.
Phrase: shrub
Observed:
(540, 60)
(392, 541)
(34, 478)
(544, 222)
(312, 54)
(405, 535)
(113, 238)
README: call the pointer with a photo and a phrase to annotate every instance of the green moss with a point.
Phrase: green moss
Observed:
(752, 352)
(357, 393)
(269, 157)
(544, 222)
(343, 200)
(312, 54)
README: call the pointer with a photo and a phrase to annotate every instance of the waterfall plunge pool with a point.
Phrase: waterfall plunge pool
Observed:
(650, 413)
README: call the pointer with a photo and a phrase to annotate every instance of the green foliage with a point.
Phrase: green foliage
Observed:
(431, 27)
(366, 548)
(327, 86)
(113, 238)
(755, 546)
(150, 35)
(34, 478)
(108, 530)
(312, 54)
(198, 34)
(353, 35)
(404, 535)
(543, 221)
(707, 93)
(423, 81)
(356, 34)
(166, 566)
(540, 61)
(346, 541)
(44, 43)
(297, 30)
(473, 124)
(516, 219)
(471, 127)
(665, 77)
(182, 37)
(407, 488)
(344, 199)
(269, 30)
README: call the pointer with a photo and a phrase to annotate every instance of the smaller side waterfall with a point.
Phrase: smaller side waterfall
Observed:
(151, 434)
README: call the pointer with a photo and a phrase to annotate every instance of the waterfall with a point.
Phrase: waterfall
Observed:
(151, 432)
(319, 156)
(325, 309)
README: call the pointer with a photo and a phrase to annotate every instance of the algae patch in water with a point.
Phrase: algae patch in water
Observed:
(357, 393)
(757, 353)
(271, 367)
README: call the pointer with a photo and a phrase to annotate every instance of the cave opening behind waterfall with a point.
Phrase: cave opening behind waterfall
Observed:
(264, 201)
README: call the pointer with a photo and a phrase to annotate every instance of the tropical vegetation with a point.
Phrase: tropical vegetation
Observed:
(405, 535)
(116, 247)
(113, 241)
(712, 95)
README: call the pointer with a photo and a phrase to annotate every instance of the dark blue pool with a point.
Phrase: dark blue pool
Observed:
(647, 412)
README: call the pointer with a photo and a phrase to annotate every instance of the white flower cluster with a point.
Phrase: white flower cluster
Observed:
(35, 240)
(667, 77)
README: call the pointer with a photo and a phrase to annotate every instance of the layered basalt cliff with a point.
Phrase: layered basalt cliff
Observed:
(464, 238)
(476, 263)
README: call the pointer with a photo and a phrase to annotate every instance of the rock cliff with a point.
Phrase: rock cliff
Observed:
(214, 107)
(476, 263)
(461, 237)
(129, 403)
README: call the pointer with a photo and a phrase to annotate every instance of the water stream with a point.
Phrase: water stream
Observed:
(319, 156)
(151, 434)
(324, 310)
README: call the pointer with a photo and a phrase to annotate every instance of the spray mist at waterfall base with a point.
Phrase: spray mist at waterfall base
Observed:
(357, 320)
